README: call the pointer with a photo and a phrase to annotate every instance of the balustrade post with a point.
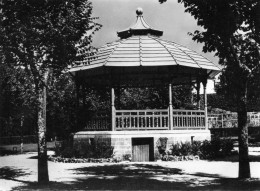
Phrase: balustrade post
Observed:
(170, 108)
(205, 102)
(113, 110)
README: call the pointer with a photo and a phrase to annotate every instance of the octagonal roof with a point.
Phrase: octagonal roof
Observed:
(141, 46)
(145, 51)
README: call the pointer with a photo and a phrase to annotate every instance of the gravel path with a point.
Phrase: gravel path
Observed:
(18, 172)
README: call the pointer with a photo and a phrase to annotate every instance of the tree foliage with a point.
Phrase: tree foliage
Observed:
(230, 28)
(41, 37)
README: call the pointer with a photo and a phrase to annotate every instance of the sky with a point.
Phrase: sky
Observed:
(117, 15)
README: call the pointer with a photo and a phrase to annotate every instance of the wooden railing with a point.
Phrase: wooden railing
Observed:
(159, 120)
(149, 120)
(188, 119)
(100, 122)
(254, 119)
(229, 120)
(141, 119)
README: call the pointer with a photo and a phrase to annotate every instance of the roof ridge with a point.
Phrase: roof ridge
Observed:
(169, 42)
(156, 39)
(140, 50)
(185, 53)
(119, 43)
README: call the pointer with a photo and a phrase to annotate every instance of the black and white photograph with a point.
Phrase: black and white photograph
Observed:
(129, 95)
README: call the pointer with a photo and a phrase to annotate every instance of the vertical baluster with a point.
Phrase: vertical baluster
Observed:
(149, 122)
(160, 121)
(123, 122)
(137, 120)
(129, 121)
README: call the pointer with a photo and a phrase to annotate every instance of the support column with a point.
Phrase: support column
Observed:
(77, 105)
(113, 110)
(170, 108)
(198, 94)
(205, 102)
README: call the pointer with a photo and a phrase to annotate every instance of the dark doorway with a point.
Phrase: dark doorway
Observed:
(142, 149)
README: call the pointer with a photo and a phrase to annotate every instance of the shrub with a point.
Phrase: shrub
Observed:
(68, 152)
(227, 146)
(96, 149)
(157, 156)
(216, 147)
(181, 149)
(127, 157)
(207, 149)
(101, 149)
(175, 149)
(161, 145)
(196, 148)
(185, 148)
(64, 149)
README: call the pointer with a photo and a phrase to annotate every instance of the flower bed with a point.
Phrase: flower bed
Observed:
(84, 160)
(180, 158)
(201, 149)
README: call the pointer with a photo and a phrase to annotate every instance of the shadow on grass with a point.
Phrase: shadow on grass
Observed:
(234, 158)
(10, 173)
(135, 176)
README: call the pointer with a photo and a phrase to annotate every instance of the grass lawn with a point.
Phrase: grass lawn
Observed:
(19, 172)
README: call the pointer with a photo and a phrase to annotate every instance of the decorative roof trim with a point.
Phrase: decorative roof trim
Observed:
(140, 27)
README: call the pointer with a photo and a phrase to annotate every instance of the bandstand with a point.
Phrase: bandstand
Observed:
(140, 58)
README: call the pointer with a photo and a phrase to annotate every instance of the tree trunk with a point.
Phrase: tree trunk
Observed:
(244, 167)
(43, 176)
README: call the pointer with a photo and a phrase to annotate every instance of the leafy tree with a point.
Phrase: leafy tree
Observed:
(61, 106)
(230, 28)
(41, 37)
(18, 100)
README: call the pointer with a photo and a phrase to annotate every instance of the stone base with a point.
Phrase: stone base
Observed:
(122, 141)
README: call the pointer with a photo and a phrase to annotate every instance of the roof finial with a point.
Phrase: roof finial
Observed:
(139, 11)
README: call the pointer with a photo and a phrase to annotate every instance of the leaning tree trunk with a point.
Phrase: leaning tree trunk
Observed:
(244, 167)
(43, 176)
